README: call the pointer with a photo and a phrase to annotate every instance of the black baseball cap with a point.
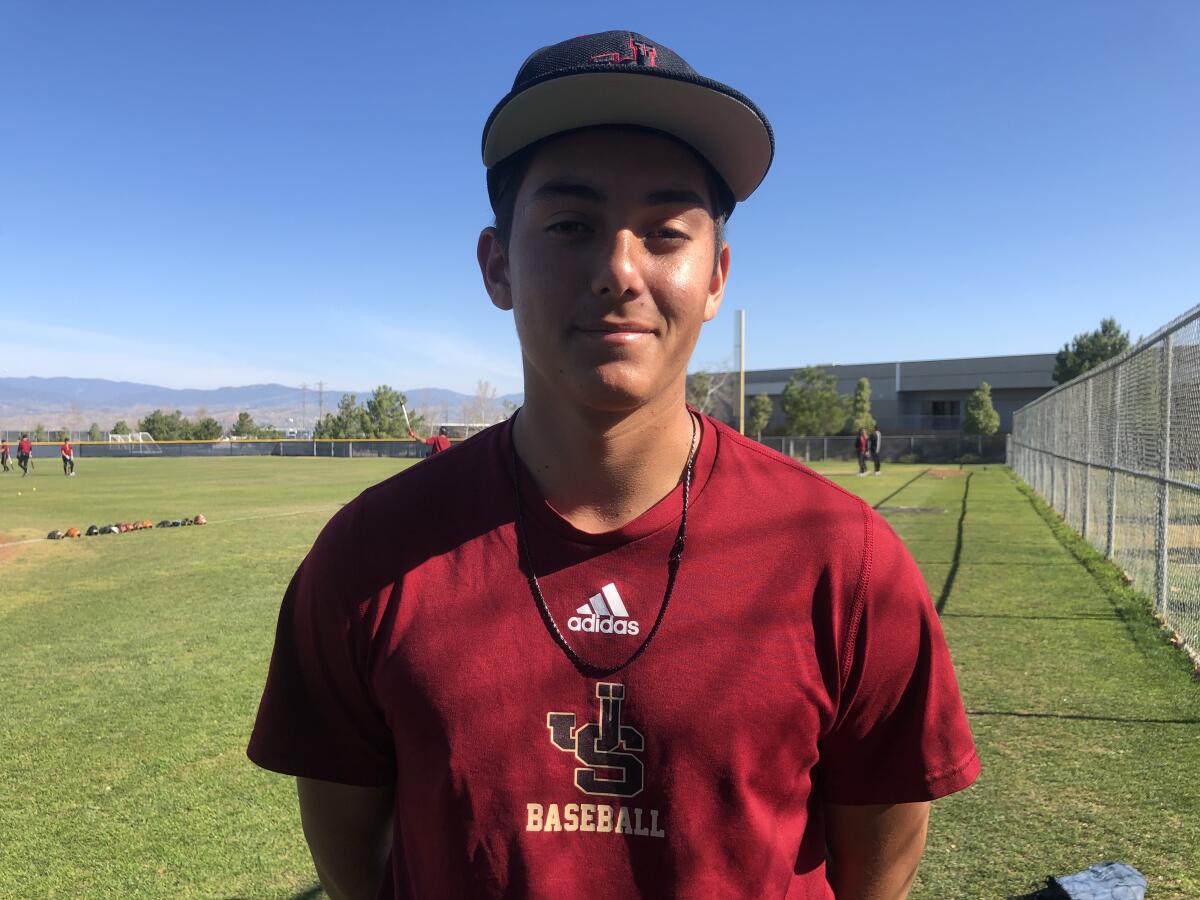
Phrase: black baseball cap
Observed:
(625, 78)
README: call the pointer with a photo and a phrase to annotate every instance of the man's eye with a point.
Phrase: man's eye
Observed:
(669, 234)
(567, 227)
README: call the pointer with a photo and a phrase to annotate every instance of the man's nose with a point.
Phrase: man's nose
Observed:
(618, 267)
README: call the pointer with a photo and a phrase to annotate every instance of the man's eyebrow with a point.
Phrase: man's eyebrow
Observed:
(561, 187)
(558, 188)
(681, 196)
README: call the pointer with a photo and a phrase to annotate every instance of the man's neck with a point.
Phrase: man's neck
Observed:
(602, 470)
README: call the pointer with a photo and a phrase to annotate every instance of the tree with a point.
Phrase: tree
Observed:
(860, 407)
(483, 404)
(244, 427)
(981, 417)
(383, 416)
(39, 432)
(347, 422)
(94, 432)
(811, 403)
(166, 426)
(761, 408)
(207, 429)
(1088, 350)
(122, 427)
(709, 392)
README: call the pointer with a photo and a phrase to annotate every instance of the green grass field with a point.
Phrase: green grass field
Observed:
(131, 667)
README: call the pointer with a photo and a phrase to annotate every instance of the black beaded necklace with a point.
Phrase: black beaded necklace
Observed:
(524, 558)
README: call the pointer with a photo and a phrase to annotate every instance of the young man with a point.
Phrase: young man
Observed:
(24, 452)
(875, 446)
(437, 443)
(68, 456)
(632, 653)
(5, 460)
(862, 445)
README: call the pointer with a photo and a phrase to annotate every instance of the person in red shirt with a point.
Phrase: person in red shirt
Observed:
(625, 651)
(24, 452)
(860, 447)
(5, 459)
(68, 457)
(437, 443)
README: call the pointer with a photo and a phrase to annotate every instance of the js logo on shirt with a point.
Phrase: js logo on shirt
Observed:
(611, 768)
(605, 745)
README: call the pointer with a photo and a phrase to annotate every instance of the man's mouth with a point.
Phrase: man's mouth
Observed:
(615, 332)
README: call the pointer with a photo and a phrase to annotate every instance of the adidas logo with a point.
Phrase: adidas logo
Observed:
(604, 613)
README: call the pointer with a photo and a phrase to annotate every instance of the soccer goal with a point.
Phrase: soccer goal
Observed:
(137, 443)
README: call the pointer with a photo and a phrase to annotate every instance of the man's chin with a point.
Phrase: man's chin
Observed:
(613, 391)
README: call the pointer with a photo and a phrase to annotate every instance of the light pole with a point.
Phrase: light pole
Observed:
(741, 342)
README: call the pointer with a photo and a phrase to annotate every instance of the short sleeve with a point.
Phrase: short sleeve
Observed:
(317, 718)
(900, 734)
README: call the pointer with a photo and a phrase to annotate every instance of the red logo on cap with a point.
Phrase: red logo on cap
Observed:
(640, 54)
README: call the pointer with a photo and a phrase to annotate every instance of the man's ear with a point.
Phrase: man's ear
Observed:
(716, 286)
(493, 266)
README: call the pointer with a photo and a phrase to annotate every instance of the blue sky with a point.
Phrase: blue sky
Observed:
(212, 193)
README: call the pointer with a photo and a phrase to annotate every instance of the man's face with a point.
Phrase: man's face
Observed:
(609, 269)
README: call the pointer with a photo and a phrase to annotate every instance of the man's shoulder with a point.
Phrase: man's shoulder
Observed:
(439, 501)
(770, 479)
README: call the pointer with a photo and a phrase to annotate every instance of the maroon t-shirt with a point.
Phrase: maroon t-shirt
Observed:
(438, 443)
(800, 661)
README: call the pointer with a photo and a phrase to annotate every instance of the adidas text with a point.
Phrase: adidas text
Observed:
(595, 624)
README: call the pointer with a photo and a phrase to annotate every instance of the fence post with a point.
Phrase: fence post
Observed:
(1110, 543)
(1164, 581)
(1052, 461)
(1087, 460)
(824, 449)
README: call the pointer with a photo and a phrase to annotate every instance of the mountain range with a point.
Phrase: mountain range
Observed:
(77, 402)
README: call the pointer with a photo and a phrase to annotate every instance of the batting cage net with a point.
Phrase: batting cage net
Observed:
(1115, 452)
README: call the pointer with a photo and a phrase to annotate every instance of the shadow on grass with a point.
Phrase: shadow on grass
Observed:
(956, 560)
(899, 489)
(1045, 893)
(1082, 717)
(1148, 635)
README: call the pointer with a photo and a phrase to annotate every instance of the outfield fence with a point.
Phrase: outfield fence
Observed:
(1115, 452)
(344, 448)
(907, 448)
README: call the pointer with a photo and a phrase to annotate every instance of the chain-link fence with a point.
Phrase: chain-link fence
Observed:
(1113, 452)
(903, 448)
